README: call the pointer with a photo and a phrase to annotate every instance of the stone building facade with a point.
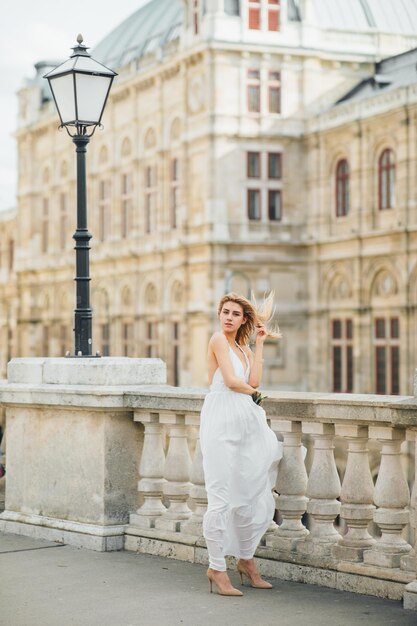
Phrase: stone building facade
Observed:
(243, 148)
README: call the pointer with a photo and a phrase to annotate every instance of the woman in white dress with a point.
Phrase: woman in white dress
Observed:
(240, 451)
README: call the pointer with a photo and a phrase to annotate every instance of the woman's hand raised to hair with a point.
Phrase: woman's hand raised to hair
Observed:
(261, 334)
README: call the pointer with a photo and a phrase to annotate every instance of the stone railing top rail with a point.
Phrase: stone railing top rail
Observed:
(123, 383)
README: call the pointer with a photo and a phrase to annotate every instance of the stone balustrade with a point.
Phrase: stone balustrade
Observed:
(336, 526)
(103, 463)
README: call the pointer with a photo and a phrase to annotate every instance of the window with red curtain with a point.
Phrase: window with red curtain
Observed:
(342, 188)
(254, 14)
(273, 15)
(386, 180)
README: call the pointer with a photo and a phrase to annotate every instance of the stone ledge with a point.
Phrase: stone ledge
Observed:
(194, 552)
(103, 371)
(90, 536)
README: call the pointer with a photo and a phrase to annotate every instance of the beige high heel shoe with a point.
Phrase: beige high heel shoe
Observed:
(255, 580)
(222, 591)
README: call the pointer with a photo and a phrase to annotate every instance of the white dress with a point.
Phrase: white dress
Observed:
(240, 460)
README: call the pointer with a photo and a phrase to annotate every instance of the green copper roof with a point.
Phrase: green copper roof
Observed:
(151, 26)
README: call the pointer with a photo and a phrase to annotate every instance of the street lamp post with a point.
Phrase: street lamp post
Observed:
(80, 87)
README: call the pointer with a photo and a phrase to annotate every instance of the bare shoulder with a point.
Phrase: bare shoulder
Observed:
(217, 340)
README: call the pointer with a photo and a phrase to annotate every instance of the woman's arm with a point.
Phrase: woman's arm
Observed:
(257, 358)
(220, 347)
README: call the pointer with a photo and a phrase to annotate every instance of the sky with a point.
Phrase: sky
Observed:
(36, 30)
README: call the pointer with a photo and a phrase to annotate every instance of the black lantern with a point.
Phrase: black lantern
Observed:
(80, 87)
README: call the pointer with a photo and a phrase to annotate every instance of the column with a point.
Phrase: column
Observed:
(392, 497)
(151, 471)
(356, 495)
(176, 473)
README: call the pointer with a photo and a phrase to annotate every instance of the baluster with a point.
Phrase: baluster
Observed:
(323, 488)
(176, 474)
(194, 526)
(391, 496)
(291, 486)
(410, 590)
(151, 470)
(408, 561)
(356, 495)
(3, 463)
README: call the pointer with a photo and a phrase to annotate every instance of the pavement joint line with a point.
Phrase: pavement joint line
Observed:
(61, 545)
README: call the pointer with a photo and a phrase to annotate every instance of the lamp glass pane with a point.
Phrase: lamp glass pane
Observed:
(91, 96)
(63, 90)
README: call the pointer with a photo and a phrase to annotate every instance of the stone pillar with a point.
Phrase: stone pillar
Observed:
(73, 447)
(392, 497)
(356, 495)
(323, 488)
(177, 474)
(151, 471)
(291, 486)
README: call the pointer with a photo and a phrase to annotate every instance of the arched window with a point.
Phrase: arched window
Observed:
(386, 180)
(342, 188)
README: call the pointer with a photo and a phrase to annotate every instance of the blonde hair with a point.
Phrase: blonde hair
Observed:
(254, 313)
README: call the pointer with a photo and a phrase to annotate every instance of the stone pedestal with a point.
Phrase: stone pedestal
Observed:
(72, 448)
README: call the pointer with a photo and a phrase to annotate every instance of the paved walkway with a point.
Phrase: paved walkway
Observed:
(45, 584)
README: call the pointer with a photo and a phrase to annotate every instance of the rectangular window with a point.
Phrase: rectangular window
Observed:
(254, 165)
(174, 192)
(337, 369)
(274, 205)
(254, 15)
(11, 254)
(196, 16)
(273, 15)
(151, 340)
(254, 91)
(45, 340)
(126, 208)
(64, 339)
(381, 369)
(105, 339)
(274, 92)
(380, 328)
(45, 225)
(387, 355)
(274, 165)
(254, 204)
(63, 218)
(175, 343)
(104, 210)
(127, 339)
(150, 198)
(342, 355)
